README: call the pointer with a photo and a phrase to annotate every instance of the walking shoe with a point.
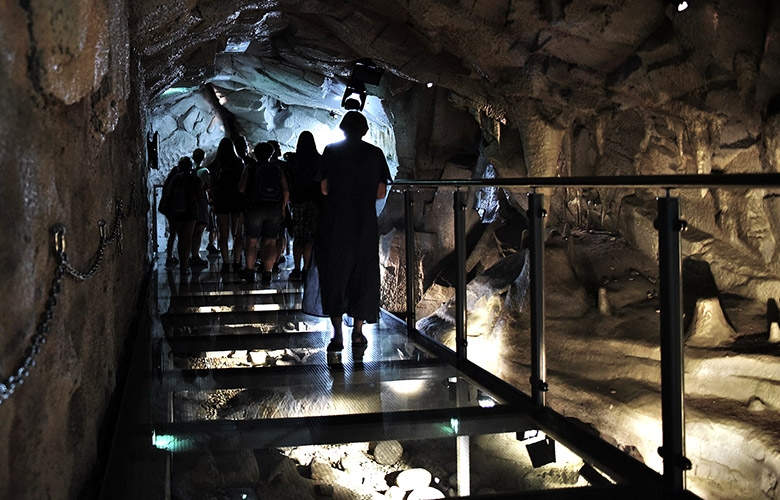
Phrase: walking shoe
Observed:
(225, 268)
(248, 275)
(266, 277)
(196, 262)
(171, 261)
(212, 250)
(295, 275)
(237, 266)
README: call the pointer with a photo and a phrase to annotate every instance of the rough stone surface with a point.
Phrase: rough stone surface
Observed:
(709, 327)
(388, 452)
(549, 88)
(413, 479)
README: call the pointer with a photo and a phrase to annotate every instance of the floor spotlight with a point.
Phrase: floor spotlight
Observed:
(541, 452)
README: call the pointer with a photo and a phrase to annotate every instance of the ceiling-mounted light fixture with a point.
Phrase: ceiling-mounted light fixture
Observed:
(682, 6)
(364, 72)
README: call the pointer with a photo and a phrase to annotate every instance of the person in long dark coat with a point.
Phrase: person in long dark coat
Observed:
(354, 175)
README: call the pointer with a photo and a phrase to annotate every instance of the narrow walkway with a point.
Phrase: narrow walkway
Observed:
(228, 378)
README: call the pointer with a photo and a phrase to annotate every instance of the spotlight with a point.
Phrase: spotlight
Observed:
(364, 72)
(541, 452)
(429, 84)
(682, 6)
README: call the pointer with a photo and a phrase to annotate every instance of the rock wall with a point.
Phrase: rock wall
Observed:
(70, 141)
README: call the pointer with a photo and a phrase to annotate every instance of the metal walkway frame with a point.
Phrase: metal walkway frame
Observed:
(517, 412)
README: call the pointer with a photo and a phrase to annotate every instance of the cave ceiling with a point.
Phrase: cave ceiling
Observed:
(572, 56)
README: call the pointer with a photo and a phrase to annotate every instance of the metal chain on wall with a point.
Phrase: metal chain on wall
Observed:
(9, 385)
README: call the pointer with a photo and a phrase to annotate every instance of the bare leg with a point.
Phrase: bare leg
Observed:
(298, 252)
(171, 239)
(251, 252)
(237, 225)
(268, 253)
(223, 223)
(197, 234)
(337, 343)
(184, 232)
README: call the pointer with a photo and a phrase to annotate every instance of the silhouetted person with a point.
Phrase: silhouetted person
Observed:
(266, 193)
(226, 170)
(170, 260)
(286, 227)
(202, 209)
(205, 179)
(305, 199)
(354, 175)
(181, 208)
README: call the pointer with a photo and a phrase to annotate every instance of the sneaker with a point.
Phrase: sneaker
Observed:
(212, 250)
(237, 266)
(198, 262)
(225, 268)
(266, 277)
(295, 275)
(248, 275)
(171, 261)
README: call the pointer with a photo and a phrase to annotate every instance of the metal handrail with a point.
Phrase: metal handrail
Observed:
(757, 181)
(668, 226)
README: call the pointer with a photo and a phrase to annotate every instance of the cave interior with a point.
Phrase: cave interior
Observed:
(104, 96)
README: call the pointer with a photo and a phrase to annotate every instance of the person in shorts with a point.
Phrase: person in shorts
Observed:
(265, 189)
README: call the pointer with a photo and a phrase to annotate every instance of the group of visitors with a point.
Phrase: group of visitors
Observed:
(326, 202)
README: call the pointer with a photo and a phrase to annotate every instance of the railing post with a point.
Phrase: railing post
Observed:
(536, 214)
(669, 226)
(411, 275)
(459, 199)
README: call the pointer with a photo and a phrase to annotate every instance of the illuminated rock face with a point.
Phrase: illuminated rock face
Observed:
(526, 87)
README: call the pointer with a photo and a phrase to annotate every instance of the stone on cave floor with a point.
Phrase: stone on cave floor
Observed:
(387, 452)
(434, 297)
(755, 404)
(603, 303)
(323, 471)
(774, 332)
(709, 327)
(257, 357)
(411, 479)
(395, 493)
(426, 493)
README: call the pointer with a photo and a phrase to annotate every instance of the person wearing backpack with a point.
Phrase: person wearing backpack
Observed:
(264, 186)
(226, 171)
(179, 204)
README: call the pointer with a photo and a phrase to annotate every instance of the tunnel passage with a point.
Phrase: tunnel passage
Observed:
(551, 88)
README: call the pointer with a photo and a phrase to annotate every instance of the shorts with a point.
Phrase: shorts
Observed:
(306, 216)
(263, 221)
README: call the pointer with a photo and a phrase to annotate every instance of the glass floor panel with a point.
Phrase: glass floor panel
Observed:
(232, 394)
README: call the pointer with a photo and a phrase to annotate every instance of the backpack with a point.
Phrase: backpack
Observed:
(265, 185)
(173, 201)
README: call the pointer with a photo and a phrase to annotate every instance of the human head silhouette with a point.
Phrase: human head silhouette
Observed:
(185, 165)
(226, 150)
(263, 152)
(354, 125)
(306, 145)
(198, 155)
